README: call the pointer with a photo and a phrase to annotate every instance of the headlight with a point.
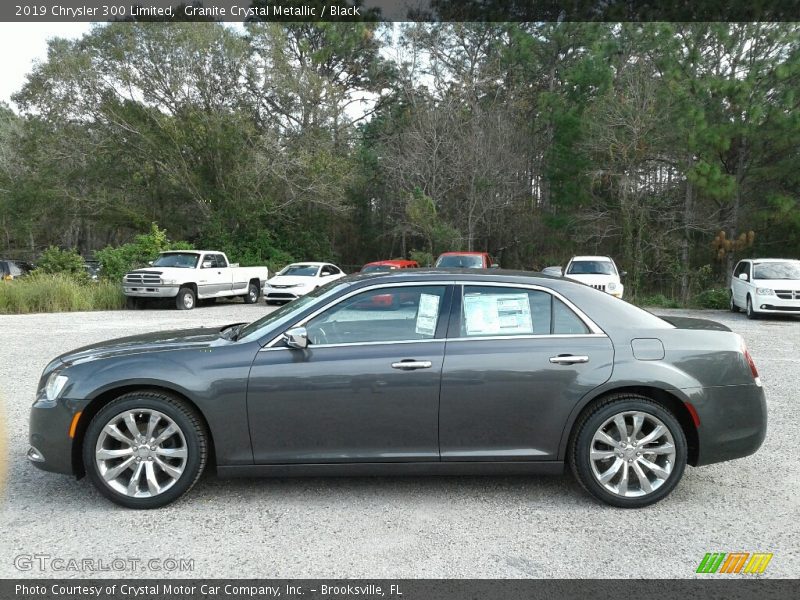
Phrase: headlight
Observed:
(55, 385)
(169, 281)
(764, 292)
(612, 286)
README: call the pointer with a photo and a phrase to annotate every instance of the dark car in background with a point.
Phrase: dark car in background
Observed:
(14, 269)
(475, 372)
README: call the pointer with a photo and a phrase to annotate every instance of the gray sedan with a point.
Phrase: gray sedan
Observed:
(423, 372)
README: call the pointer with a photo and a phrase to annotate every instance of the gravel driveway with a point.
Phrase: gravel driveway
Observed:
(482, 527)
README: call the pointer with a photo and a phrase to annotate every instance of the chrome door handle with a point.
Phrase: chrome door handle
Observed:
(412, 364)
(568, 359)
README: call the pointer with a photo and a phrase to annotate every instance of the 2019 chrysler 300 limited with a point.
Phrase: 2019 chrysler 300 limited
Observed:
(463, 372)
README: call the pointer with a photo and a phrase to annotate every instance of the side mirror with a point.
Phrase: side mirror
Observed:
(296, 338)
(324, 274)
(623, 273)
(743, 276)
(494, 266)
(207, 264)
(150, 262)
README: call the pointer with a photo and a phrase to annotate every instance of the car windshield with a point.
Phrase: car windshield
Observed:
(181, 260)
(591, 267)
(466, 261)
(377, 268)
(778, 270)
(285, 314)
(300, 270)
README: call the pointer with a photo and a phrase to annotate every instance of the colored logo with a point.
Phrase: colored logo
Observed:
(734, 562)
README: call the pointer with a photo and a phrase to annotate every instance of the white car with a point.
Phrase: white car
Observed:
(297, 279)
(599, 272)
(766, 286)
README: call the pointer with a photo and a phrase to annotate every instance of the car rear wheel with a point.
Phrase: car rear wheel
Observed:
(751, 314)
(733, 307)
(628, 451)
(145, 449)
(186, 299)
(253, 292)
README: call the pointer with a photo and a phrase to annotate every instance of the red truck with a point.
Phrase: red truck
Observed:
(466, 260)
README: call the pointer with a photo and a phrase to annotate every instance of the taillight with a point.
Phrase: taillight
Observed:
(751, 363)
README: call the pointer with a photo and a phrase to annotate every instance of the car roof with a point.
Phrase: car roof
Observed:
(393, 261)
(458, 253)
(769, 260)
(310, 264)
(602, 258)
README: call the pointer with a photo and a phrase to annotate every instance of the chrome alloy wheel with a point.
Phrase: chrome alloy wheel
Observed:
(188, 301)
(632, 454)
(141, 453)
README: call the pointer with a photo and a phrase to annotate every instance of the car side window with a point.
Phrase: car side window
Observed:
(391, 314)
(220, 260)
(500, 311)
(565, 321)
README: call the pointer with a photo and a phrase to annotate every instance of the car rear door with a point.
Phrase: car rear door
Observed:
(518, 360)
(366, 389)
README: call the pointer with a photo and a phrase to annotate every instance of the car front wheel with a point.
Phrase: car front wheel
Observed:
(145, 449)
(733, 307)
(186, 299)
(749, 311)
(629, 451)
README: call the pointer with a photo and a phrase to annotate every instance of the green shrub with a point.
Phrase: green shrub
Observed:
(713, 298)
(658, 301)
(115, 262)
(58, 292)
(425, 259)
(65, 262)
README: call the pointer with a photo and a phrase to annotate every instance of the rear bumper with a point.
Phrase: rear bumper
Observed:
(733, 421)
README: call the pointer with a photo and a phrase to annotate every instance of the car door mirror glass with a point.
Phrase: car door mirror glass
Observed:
(296, 337)
(207, 264)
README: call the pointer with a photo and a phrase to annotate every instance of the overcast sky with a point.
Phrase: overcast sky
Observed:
(23, 43)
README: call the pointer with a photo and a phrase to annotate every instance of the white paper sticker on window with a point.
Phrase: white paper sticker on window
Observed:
(427, 313)
(497, 314)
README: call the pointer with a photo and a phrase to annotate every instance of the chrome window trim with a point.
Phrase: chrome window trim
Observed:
(594, 329)
(302, 323)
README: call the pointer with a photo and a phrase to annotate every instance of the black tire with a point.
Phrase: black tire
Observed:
(253, 294)
(184, 416)
(733, 307)
(591, 421)
(186, 299)
(751, 314)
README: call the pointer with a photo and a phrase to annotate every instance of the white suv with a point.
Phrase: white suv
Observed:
(599, 272)
(766, 285)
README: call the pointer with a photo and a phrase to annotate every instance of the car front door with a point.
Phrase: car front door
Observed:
(215, 279)
(739, 285)
(365, 389)
(518, 360)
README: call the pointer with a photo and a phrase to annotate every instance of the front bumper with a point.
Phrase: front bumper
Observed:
(150, 291)
(774, 304)
(49, 435)
(284, 294)
(733, 421)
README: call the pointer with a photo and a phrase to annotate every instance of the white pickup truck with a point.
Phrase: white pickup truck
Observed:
(192, 275)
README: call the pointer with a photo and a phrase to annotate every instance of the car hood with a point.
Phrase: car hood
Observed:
(778, 284)
(291, 280)
(163, 271)
(148, 342)
(593, 279)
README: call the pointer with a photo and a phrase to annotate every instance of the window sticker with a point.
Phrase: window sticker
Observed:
(498, 314)
(427, 313)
